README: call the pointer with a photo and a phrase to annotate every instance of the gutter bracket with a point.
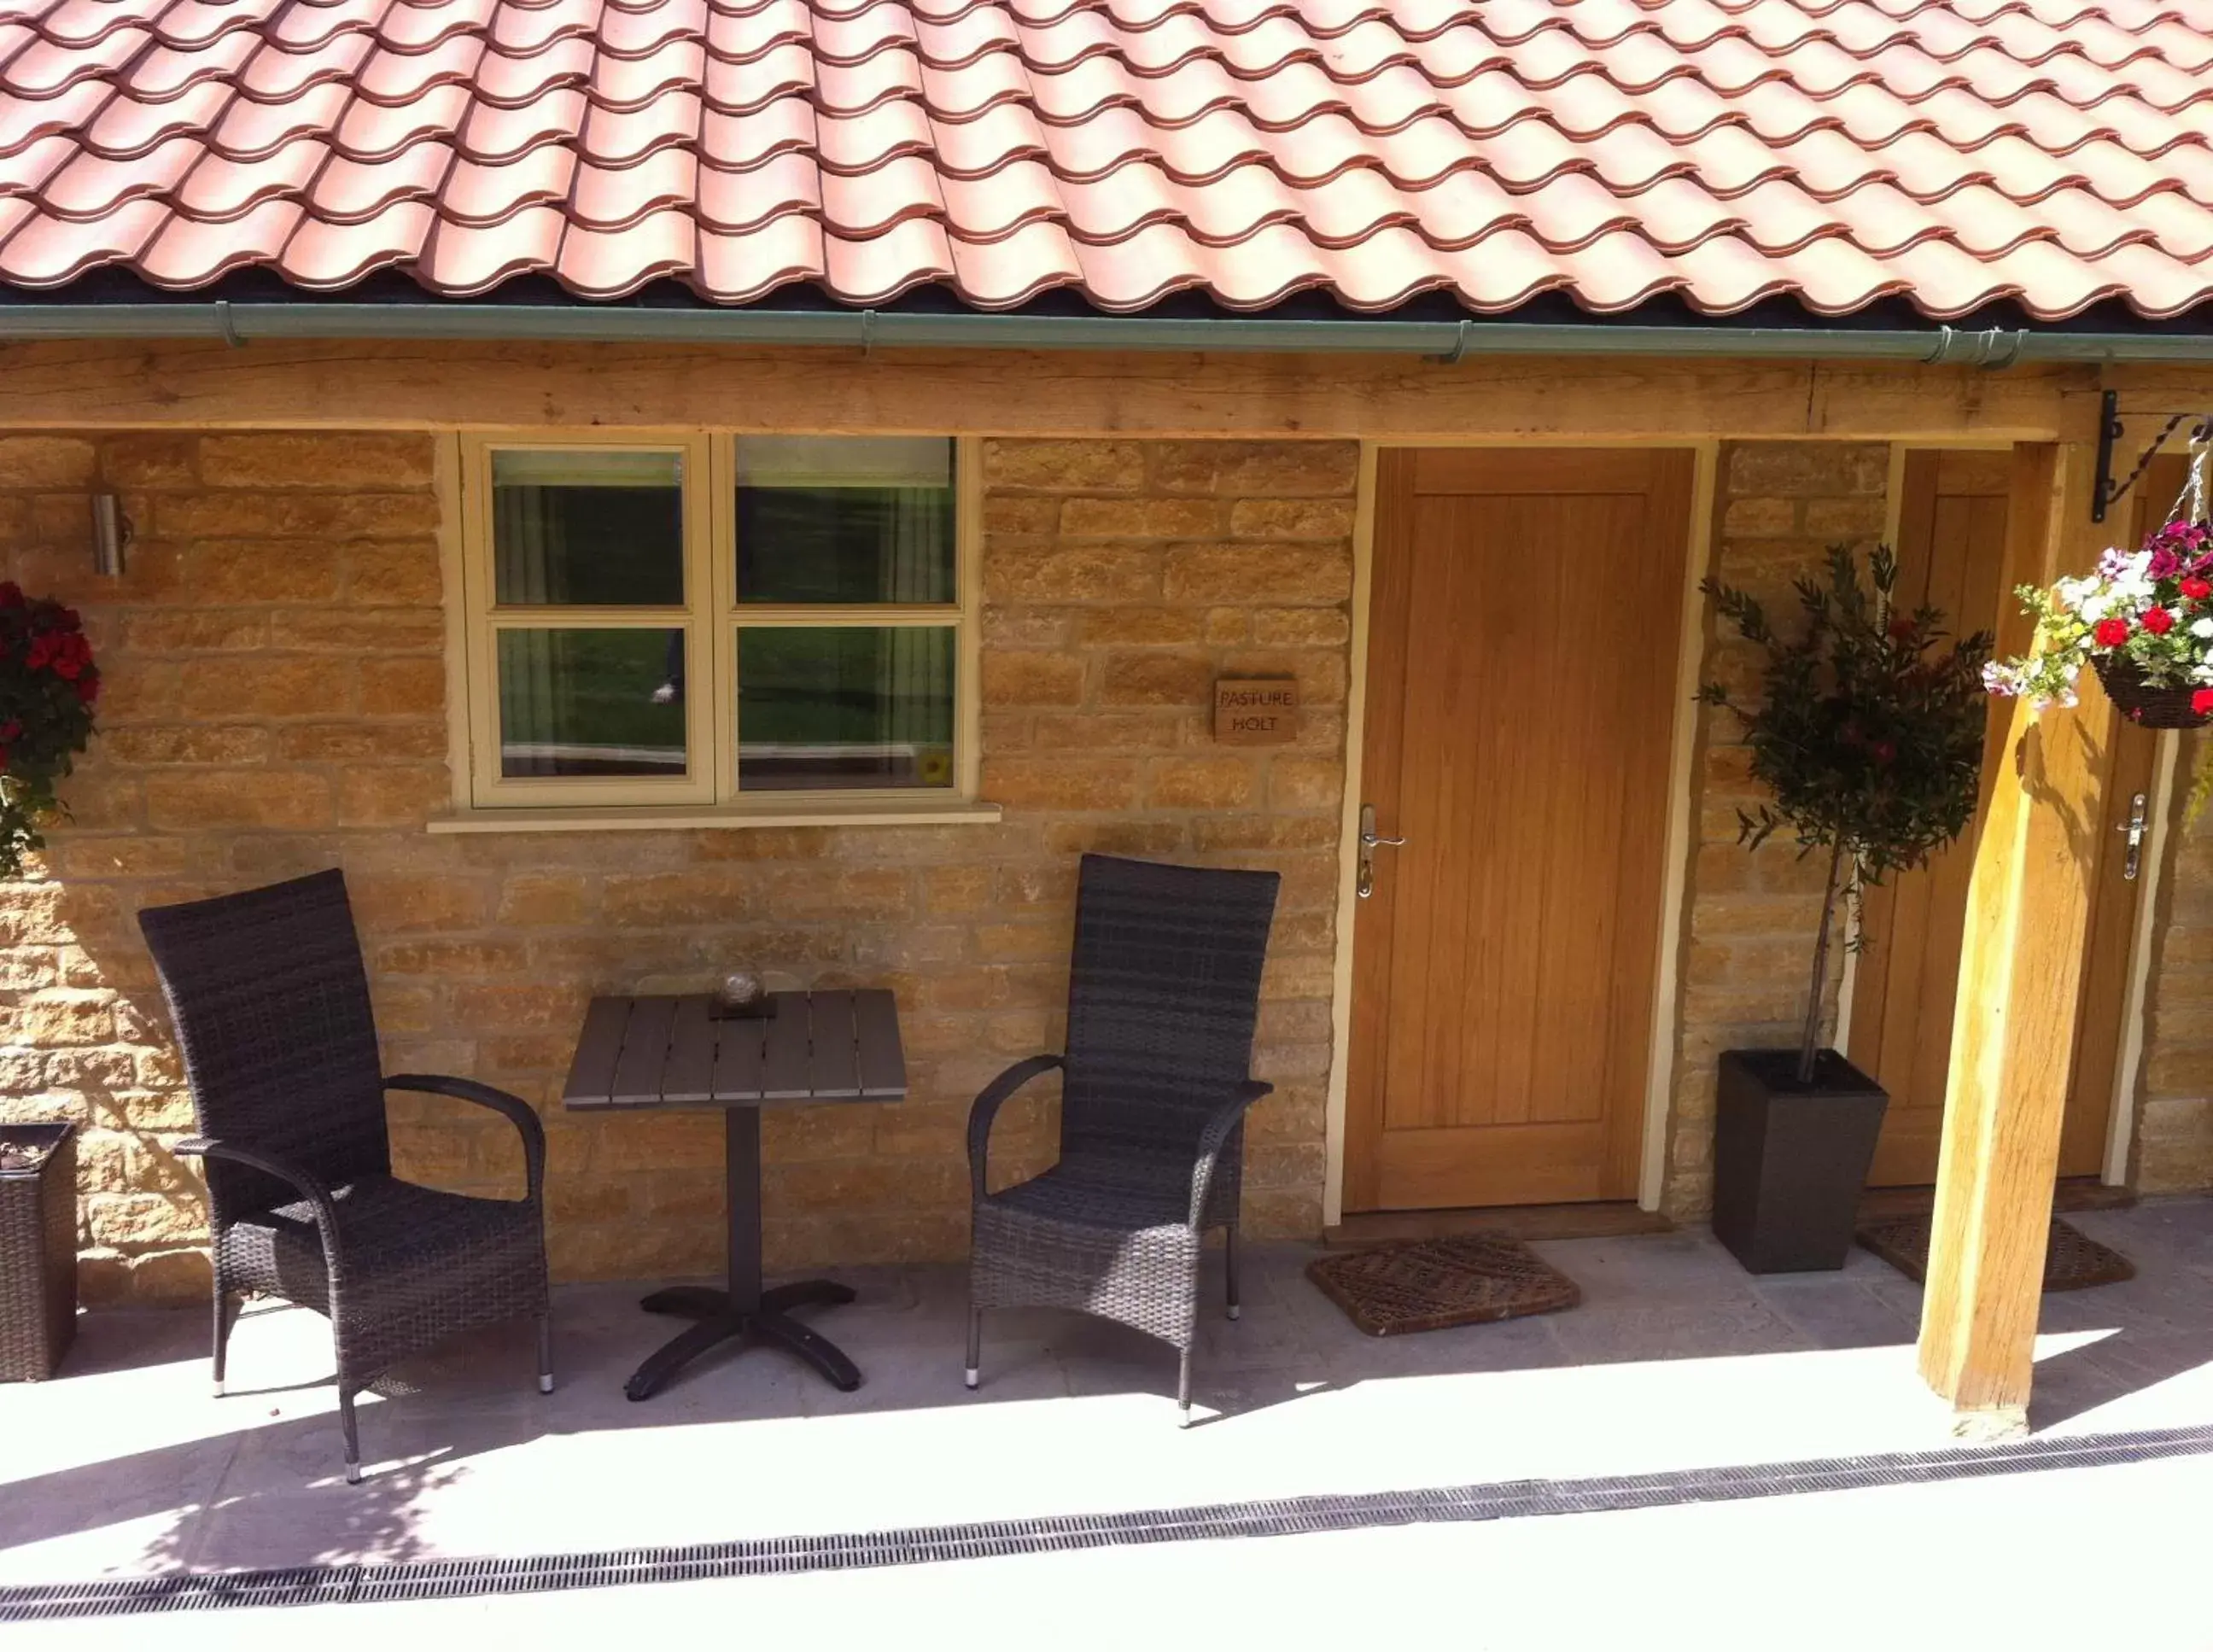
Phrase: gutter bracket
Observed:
(1460, 336)
(225, 325)
(868, 332)
(1994, 348)
(1991, 359)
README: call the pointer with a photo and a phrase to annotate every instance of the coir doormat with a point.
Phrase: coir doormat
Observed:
(2073, 1261)
(1434, 1283)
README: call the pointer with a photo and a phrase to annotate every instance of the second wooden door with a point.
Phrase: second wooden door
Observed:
(1951, 546)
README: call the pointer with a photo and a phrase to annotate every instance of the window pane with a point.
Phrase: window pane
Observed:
(588, 529)
(591, 702)
(846, 705)
(845, 519)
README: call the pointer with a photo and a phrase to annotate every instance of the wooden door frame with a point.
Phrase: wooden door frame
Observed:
(1679, 849)
(2128, 1064)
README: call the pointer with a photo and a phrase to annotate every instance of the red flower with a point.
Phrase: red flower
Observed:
(1902, 628)
(1884, 751)
(87, 687)
(2109, 634)
(2202, 701)
(2197, 589)
(2158, 621)
(9, 730)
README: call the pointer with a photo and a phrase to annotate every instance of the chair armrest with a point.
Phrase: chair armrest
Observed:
(1219, 1124)
(303, 1181)
(986, 1108)
(518, 1111)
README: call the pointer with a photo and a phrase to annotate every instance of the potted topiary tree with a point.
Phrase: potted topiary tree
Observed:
(1869, 733)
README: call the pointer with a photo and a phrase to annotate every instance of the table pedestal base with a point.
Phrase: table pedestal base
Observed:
(718, 1320)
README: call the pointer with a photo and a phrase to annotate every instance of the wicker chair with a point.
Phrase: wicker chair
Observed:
(1164, 990)
(271, 1009)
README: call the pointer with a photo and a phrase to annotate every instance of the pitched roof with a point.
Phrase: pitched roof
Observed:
(2053, 153)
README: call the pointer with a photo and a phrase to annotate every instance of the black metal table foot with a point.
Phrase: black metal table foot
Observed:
(811, 1345)
(692, 1301)
(716, 1322)
(673, 1356)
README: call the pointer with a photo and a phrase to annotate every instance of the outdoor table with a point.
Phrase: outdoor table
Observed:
(666, 1051)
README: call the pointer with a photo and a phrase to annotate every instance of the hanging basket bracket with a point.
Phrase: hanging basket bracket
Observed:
(2109, 492)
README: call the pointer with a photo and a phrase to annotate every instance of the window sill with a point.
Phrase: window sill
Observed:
(692, 818)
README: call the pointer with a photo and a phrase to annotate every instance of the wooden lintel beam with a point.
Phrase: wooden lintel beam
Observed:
(266, 384)
(2021, 964)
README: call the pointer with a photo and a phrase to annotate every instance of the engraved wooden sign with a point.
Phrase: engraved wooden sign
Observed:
(1256, 711)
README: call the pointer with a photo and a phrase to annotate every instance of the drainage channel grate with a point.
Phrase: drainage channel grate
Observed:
(1283, 1517)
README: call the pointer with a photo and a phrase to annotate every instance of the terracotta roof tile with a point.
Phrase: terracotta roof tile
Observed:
(220, 188)
(2052, 152)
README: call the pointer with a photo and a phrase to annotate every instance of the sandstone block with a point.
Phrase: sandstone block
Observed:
(1016, 678)
(1092, 573)
(1089, 466)
(46, 461)
(1278, 573)
(198, 800)
(1157, 679)
(360, 462)
(1201, 782)
(1069, 782)
(403, 686)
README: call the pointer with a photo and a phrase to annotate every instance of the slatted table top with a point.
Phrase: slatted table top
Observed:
(668, 1052)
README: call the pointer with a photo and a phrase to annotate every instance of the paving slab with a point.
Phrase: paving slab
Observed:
(1678, 1359)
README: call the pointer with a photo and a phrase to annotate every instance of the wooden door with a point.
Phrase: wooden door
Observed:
(1951, 538)
(1522, 696)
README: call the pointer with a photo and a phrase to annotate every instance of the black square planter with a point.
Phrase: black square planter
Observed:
(1789, 1160)
(37, 1253)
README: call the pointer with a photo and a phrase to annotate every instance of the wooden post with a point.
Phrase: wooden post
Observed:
(2021, 965)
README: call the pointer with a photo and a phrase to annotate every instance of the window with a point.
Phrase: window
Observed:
(747, 625)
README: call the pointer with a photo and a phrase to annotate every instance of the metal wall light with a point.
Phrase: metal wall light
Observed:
(111, 535)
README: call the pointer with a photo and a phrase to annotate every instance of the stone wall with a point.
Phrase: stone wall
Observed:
(275, 703)
(1752, 915)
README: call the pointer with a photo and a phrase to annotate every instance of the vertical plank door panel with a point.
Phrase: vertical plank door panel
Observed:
(1518, 733)
(1951, 553)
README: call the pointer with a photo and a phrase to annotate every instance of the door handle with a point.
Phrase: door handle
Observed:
(1370, 841)
(2133, 862)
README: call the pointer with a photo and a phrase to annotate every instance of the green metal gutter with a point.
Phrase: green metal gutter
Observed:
(242, 323)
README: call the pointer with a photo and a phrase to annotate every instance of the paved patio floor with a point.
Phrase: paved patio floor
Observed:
(1677, 1360)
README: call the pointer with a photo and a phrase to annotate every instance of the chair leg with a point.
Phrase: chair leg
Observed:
(352, 1435)
(974, 1375)
(225, 1317)
(1183, 1387)
(1229, 1264)
(545, 1353)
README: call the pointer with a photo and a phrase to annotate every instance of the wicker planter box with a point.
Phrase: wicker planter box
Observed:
(38, 1253)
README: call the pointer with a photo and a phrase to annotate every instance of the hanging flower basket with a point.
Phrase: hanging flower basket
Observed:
(2147, 703)
(2143, 621)
(48, 683)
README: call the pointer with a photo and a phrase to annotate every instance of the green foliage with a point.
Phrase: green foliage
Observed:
(1868, 731)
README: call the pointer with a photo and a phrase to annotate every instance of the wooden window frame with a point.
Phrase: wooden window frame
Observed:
(708, 792)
